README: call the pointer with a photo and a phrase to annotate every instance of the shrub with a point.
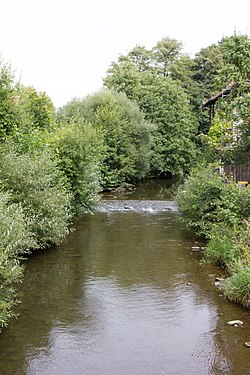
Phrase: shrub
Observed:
(207, 198)
(199, 199)
(237, 287)
(15, 240)
(220, 249)
(79, 149)
(127, 136)
(35, 181)
(7, 105)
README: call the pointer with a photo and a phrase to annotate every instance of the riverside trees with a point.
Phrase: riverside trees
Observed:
(215, 209)
(127, 136)
(52, 169)
(144, 124)
(156, 80)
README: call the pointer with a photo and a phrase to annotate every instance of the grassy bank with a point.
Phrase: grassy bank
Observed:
(219, 210)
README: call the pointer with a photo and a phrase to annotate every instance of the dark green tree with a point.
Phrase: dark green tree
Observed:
(7, 100)
(166, 104)
(127, 136)
(235, 68)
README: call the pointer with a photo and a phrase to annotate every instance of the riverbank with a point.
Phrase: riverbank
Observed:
(124, 294)
(219, 210)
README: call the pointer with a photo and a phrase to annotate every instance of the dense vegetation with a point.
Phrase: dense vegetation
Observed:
(158, 80)
(213, 205)
(219, 210)
(146, 122)
(127, 136)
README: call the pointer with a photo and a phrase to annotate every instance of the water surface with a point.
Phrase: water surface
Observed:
(125, 295)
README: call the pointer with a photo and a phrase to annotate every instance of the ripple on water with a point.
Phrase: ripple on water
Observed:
(147, 206)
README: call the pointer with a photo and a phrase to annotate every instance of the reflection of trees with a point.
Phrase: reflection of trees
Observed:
(53, 285)
(135, 248)
(115, 259)
(163, 190)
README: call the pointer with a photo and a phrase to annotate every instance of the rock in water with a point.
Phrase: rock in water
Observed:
(235, 323)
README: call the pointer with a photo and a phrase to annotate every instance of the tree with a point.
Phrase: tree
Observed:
(165, 54)
(7, 100)
(127, 136)
(78, 148)
(140, 57)
(35, 109)
(235, 52)
(165, 104)
(235, 67)
(206, 65)
(38, 185)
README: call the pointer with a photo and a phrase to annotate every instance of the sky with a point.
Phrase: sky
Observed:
(65, 47)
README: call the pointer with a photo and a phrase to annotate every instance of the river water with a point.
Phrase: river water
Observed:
(125, 294)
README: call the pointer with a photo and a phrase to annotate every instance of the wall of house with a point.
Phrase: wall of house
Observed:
(240, 172)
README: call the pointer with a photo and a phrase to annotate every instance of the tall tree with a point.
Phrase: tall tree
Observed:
(7, 100)
(206, 64)
(165, 54)
(165, 104)
(127, 135)
(235, 67)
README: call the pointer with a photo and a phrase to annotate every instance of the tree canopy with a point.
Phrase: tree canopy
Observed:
(153, 80)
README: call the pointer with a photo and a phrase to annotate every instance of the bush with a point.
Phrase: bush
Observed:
(220, 210)
(127, 136)
(237, 287)
(199, 198)
(15, 240)
(35, 182)
(207, 198)
(7, 105)
(79, 149)
(220, 249)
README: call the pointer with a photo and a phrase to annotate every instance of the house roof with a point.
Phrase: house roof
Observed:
(225, 92)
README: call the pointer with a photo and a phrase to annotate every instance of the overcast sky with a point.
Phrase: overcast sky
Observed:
(64, 47)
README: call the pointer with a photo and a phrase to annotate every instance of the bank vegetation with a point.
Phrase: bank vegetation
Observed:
(146, 122)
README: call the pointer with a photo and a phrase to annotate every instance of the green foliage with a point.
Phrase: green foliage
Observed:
(126, 134)
(79, 148)
(7, 104)
(15, 240)
(237, 287)
(199, 199)
(221, 249)
(220, 210)
(220, 137)
(238, 110)
(230, 247)
(207, 62)
(140, 57)
(36, 183)
(35, 119)
(206, 199)
(205, 68)
(236, 59)
(165, 104)
(234, 67)
(35, 110)
(164, 55)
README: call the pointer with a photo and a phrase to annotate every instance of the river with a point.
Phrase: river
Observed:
(125, 294)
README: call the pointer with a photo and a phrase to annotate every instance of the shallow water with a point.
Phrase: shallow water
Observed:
(125, 294)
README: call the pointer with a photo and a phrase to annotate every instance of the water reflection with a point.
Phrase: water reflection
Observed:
(124, 294)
